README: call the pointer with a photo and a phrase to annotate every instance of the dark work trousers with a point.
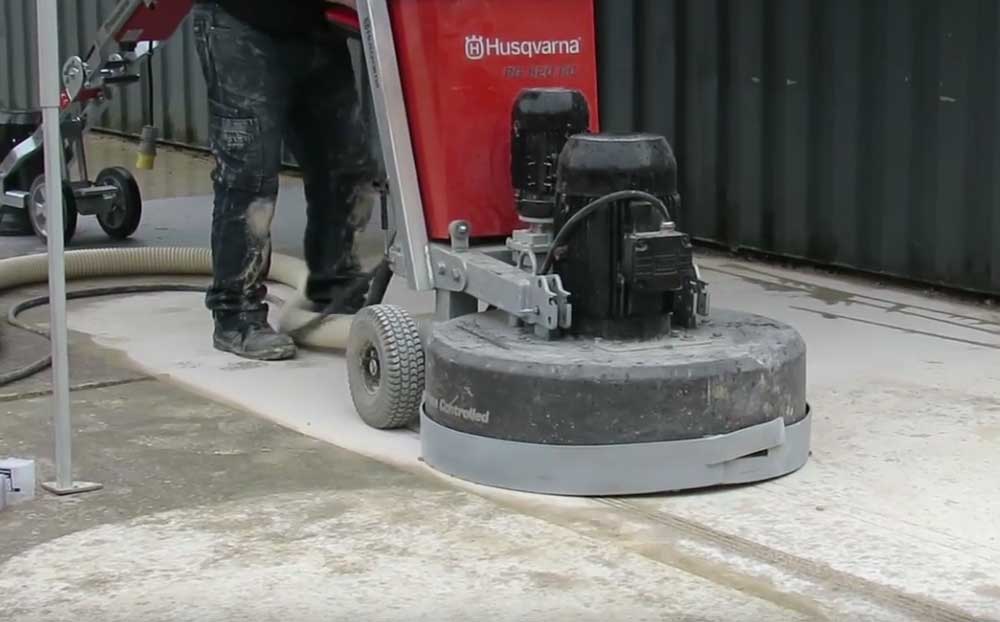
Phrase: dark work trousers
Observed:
(264, 91)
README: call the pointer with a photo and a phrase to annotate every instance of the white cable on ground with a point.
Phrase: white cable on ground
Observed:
(332, 333)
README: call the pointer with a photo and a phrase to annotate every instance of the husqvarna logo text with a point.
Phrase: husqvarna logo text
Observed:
(478, 47)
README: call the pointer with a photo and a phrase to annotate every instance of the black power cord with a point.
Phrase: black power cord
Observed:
(150, 88)
(31, 369)
(570, 227)
(377, 283)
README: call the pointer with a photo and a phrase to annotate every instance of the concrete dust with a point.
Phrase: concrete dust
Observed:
(391, 554)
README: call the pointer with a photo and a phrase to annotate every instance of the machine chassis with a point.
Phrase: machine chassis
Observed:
(87, 84)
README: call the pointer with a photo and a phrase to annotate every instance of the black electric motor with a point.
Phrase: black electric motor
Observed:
(599, 206)
(543, 120)
(630, 273)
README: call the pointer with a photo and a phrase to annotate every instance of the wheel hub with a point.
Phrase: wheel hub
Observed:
(37, 207)
(372, 367)
(114, 217)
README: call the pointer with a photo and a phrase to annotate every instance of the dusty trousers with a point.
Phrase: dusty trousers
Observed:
(265, 92)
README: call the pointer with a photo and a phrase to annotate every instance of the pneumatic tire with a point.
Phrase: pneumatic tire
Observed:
(37, 210)
(385, 367)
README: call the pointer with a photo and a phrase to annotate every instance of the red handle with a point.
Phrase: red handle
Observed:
(344, 17)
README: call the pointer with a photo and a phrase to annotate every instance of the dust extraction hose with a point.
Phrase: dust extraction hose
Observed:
(320, 332)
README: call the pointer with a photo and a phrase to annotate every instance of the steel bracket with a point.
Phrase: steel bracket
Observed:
(537, 300)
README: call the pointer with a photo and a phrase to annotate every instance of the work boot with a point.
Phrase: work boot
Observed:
(250, 336)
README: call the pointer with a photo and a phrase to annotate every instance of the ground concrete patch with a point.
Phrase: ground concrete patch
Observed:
(209, 513)
(385, 554)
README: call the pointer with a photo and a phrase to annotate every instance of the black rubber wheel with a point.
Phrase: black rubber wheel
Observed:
(37, 210)
(122, 219)
(385, 367)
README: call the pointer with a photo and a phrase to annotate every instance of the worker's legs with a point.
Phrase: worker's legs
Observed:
(249, 93)
(329, 137)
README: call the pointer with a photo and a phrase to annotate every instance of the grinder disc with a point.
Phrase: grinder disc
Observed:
(723, 403)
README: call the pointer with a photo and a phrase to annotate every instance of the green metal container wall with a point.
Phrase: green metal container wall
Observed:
(179, 101)
(855, 133)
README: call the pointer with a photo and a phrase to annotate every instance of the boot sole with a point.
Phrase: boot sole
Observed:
(275, 354)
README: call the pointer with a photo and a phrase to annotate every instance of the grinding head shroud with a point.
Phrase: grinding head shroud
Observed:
(737, 370)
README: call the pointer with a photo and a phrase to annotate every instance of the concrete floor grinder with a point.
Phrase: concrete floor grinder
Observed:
(575, 352)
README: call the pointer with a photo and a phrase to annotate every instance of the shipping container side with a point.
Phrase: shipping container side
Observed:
(854, 133)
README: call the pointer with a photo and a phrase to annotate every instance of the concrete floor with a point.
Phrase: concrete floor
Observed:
(237, 489)
(209, 513)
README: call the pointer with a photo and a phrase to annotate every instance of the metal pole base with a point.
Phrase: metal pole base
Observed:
(74, 488)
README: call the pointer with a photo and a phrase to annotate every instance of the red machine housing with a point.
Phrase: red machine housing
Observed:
(463, 64)
(156, 22)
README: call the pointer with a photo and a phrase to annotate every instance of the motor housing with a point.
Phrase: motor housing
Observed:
(630, 273)
(542, 121)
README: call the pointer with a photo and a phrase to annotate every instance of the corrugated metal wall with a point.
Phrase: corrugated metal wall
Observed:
(858, 133)
(179, 103)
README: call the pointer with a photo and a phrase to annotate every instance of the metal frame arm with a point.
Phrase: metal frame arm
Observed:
(407, 219)
(85, 81)
(106, 35)
(537, 300)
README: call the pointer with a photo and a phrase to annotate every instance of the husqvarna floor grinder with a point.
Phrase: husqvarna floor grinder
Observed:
(596, 367)
(574, 351)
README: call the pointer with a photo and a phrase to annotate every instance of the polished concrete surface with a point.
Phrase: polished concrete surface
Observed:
(239, 489)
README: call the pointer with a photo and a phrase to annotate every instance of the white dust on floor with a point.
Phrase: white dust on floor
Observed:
(389, 554)
(307, 394)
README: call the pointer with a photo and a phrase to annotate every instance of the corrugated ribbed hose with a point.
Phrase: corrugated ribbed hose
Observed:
(332, 333)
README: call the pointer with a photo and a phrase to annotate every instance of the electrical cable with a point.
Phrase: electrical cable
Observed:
(570, 226)
(377, 282)
(337, 306)
(35, 367)
(150, 92)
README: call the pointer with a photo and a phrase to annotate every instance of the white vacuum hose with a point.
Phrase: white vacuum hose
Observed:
(332, 333)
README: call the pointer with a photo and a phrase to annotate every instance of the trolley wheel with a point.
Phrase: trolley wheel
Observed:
(37, 210)
(385, 367)
(123, 216)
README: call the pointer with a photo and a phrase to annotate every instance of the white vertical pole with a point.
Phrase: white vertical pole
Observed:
(50, 87)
